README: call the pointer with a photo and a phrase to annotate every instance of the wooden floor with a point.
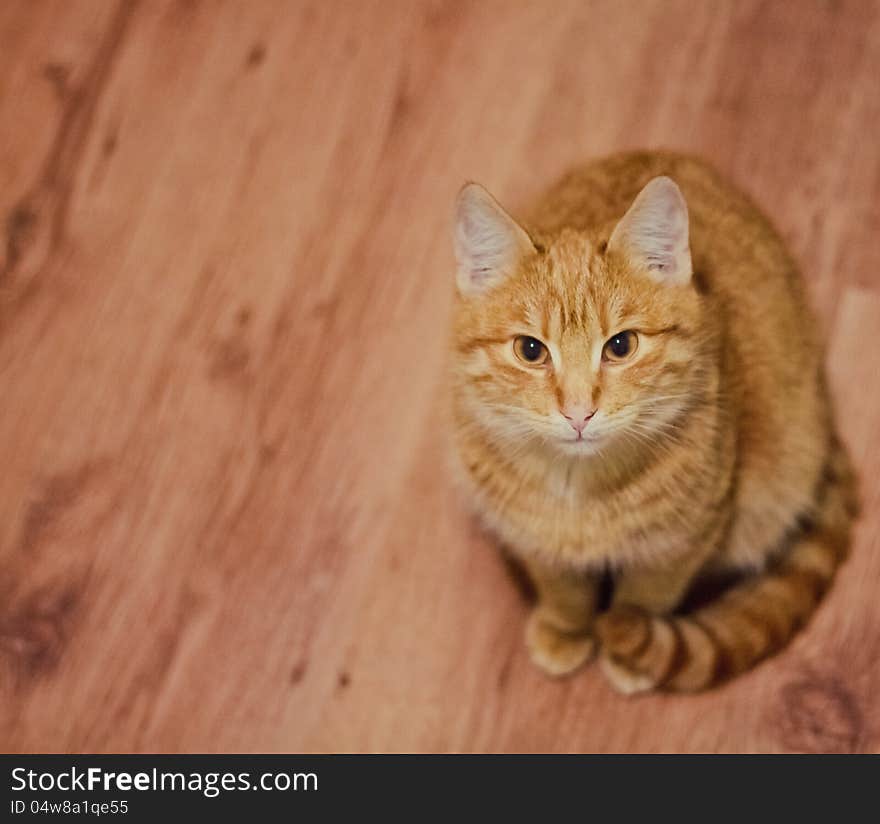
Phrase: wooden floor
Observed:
(225, 280)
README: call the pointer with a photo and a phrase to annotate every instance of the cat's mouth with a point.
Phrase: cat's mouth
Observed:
(583, 443)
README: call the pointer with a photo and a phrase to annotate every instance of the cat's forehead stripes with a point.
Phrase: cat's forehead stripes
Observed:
(569, 289)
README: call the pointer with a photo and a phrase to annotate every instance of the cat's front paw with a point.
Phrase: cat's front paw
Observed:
(554, 650)
(637, 649)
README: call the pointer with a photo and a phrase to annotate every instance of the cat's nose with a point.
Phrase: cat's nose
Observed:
(578, 417)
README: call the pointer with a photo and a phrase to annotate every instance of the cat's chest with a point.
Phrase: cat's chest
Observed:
(587, 530)
(556, 518)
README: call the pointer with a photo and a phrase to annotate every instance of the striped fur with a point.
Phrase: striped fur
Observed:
(752, 620)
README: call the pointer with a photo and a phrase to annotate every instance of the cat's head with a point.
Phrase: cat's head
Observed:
(577, 340)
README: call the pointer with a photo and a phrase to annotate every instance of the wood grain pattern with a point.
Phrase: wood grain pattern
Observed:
(225, 276)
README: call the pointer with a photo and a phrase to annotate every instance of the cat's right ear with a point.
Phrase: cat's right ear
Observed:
(488, 242)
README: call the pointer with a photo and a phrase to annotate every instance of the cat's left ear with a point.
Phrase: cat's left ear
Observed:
(654, 232)
(488, 242)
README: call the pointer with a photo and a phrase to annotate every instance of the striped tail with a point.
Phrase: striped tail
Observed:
(749, 622)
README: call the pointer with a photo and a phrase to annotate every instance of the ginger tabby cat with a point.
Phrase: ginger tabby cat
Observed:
(638, 389)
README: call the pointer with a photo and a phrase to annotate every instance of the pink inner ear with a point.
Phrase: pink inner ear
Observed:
(662, 256)
(470, 225)
(658, 227)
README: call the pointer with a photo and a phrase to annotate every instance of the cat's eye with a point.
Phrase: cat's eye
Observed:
(621, 346)
(530, 350)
